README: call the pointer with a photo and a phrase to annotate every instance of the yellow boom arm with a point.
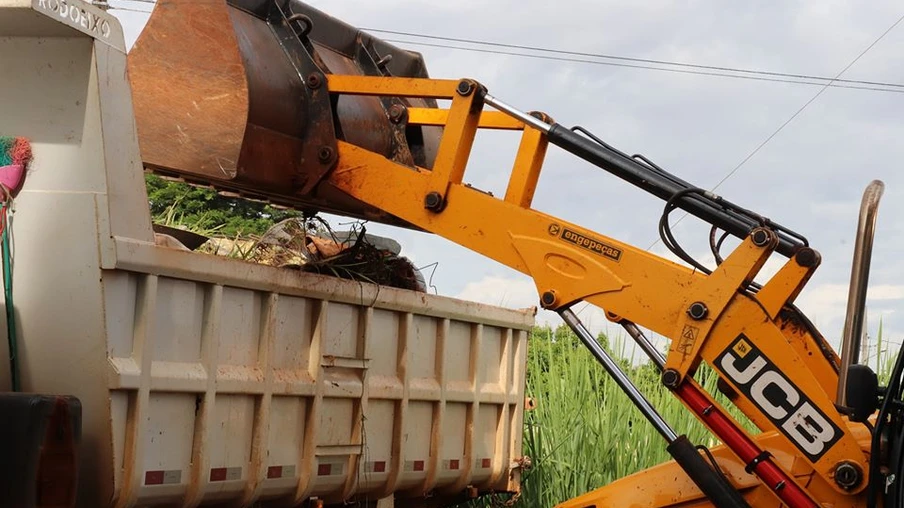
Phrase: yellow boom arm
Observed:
(777, 370)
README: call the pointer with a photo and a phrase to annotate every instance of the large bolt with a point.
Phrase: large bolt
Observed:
(760, 237)
(396, 113)
(847, 475)
(464, 88)
(314, 81)
(548, 299)
(325, 154)
(670, 378)
(806, 257)
(433, 202)
(697, 311)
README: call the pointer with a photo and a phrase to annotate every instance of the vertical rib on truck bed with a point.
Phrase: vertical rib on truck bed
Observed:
(206, 379)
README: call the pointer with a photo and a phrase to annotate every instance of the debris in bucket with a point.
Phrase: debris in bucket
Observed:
(283, 245)
(355, 254)
(360, 258)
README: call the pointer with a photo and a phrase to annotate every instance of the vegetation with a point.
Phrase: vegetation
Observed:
(206, 212)
(584, 432)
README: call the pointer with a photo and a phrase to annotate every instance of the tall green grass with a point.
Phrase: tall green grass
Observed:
(885, 357)
(585, 432)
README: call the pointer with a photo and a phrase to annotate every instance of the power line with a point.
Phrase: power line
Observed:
(789, 120)
(633, 59)
(651, 64)
(896, 89)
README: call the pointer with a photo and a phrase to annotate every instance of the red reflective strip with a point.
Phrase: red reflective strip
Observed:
(218, 474)
(153, 478)
(418, 465)
(486, 463)
(274, 472)
(324, 469)
(380, 466)
(453, 464)
(791, 494)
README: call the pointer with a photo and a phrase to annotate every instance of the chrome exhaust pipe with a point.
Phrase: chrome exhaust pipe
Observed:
(856, 306)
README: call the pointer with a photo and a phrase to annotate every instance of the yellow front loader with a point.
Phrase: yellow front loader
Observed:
(275, 100)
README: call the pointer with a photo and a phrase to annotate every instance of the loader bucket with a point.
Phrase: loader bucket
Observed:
(231, 93)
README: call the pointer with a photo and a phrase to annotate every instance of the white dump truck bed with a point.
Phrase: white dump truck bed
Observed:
(207, 379)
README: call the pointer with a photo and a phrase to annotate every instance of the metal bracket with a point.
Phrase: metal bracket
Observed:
(320, 135)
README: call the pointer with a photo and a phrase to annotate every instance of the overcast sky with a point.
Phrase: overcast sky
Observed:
(809, 177)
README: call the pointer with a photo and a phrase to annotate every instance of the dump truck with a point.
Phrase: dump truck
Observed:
(144, 375)
(161, 377)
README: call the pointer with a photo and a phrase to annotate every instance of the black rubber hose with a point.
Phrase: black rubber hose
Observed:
(662, 186)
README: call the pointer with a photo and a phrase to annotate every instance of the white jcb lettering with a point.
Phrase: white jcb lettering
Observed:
(774, 407)
(742, 377)
(778, 398)
(809, 429)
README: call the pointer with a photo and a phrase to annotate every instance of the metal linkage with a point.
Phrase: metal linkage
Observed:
(644, 343)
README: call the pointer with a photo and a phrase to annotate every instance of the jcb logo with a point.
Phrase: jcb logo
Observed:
(788, 408)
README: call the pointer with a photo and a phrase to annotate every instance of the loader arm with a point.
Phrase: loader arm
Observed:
(774, 377)
(278, 101)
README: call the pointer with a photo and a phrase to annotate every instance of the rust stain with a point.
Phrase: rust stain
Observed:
(251, 120)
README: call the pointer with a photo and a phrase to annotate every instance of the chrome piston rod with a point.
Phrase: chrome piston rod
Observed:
(655, 356)
(642, 404)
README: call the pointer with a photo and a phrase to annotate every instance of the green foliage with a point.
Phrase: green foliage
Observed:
(206, 212)
(886, 355)
(585, 433)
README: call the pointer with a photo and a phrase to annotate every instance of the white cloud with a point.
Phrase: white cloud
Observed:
(885, 292)
(520, 292)
(503, 291)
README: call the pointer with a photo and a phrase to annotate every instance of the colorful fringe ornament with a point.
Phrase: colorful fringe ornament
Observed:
(15, 156)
